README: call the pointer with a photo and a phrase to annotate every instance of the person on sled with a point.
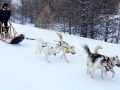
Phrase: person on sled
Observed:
(5, 14)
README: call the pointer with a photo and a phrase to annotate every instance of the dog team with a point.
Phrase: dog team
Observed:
(94, 60)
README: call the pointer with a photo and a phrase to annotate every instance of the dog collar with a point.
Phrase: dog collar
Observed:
(44, 44)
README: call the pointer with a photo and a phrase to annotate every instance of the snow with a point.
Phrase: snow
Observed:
(22, 69)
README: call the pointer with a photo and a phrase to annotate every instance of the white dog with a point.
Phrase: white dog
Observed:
(97, 61)
(115, 60)
(65, 47)
(45, 48)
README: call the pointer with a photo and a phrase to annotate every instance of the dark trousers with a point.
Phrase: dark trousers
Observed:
(5, 22)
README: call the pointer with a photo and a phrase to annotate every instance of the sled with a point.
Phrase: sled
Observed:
(9, 35)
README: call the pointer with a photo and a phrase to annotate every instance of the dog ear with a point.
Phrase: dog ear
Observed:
(113, 58)
(72, 47)
(102, 56)
(116, 56)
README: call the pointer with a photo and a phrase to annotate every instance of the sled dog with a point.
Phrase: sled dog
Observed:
(64, 47)
(45, 48)
(97, 61)
(114, 60)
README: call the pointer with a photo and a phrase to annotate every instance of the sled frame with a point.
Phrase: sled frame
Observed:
(12, 34)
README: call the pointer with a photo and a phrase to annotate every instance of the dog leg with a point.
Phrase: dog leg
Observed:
(102, 74)
(36, 51)
(105, 74)
(59, 51)
(40, 52)
(62, 55)
(112, 72)
(89, 65)
(103, 71)
(64, 52)
(46, 57)
(65, 57)
(92, 72)
(88, 70)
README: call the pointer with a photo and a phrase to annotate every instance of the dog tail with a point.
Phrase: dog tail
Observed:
(87, 50)
(60, 36)
(96, 49)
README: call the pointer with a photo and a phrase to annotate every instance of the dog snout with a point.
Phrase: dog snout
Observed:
(73, 53)
(109, 67)
(118, 65)
(54, 54)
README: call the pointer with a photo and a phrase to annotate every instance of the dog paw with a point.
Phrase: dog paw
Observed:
(91, 76)
(89, 72)
(103, 78)
(48, 61)
(67, 61)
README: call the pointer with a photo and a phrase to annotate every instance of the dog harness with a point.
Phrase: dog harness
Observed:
(44, 44)
(95, 56)
(62, 42)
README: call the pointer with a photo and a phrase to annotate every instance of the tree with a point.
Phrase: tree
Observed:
(45, 18)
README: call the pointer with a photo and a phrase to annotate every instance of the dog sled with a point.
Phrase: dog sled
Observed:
(9, 35)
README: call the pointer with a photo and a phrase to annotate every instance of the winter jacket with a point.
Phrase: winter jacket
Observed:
(5, 14)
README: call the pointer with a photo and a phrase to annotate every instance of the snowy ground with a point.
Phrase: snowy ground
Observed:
(22, 69)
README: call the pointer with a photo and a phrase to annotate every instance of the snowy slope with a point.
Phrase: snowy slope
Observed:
(22, 69)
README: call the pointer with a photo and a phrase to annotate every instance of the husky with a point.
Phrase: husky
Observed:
(65, 47)
(97, 61)
(45, 48)
(114, 60)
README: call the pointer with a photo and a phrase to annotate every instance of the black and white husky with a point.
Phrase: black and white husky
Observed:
(114, 60)
(97, 61)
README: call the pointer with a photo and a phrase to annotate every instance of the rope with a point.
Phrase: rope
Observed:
(61, 42)
(56, 44)
(30, 38)
(51, 43)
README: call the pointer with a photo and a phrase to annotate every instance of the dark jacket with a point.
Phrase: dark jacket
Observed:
(5, 14)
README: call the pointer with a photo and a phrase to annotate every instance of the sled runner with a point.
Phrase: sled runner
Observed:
(9, 35)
